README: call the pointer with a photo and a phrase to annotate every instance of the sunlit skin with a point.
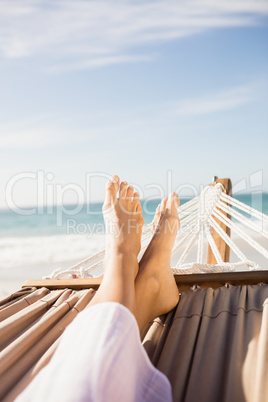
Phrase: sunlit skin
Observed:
(148, 288)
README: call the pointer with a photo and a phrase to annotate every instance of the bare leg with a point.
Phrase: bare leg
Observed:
(123, 222)
(156, 290)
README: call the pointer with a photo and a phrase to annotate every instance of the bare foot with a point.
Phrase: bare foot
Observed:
(123, 220)
(156, 289)
(123, 223)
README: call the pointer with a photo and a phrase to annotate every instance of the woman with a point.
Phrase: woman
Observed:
(100, 356)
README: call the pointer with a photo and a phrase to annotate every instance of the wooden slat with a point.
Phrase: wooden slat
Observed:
(223, 248)
(184, 282)
(214, 281)
(76, 284)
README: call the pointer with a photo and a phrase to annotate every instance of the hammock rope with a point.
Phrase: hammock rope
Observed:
(197, 219)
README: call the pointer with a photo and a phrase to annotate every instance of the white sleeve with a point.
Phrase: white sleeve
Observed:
(100, 358)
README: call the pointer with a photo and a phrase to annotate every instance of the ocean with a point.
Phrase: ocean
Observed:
(31, 246)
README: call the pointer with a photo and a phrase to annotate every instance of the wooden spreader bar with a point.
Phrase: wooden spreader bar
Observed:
(184, 282)
(223, 248)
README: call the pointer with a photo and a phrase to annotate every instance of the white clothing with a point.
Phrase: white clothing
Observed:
(100, 358)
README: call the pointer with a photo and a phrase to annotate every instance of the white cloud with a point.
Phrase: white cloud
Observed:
(86, 34)
(98, 62)
(28, 139)
(214, 102)
(36, 133)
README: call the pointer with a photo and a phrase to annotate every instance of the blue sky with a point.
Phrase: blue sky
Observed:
(134, 88)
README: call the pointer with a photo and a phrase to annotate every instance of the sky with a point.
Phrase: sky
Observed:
(166, 94)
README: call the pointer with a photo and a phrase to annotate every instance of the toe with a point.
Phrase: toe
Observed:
(163, 206)
(139, 208)
(139, 216)
(136, 200)
(173, 201)
(111, 190)
(123, 189)
(129, 194)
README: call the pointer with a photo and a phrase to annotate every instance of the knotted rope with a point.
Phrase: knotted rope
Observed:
(197, 218)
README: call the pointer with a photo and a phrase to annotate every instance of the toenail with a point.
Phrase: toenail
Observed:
(114, 179)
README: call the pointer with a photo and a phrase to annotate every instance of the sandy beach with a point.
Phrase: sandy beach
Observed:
(24, 258)
(13, 281)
